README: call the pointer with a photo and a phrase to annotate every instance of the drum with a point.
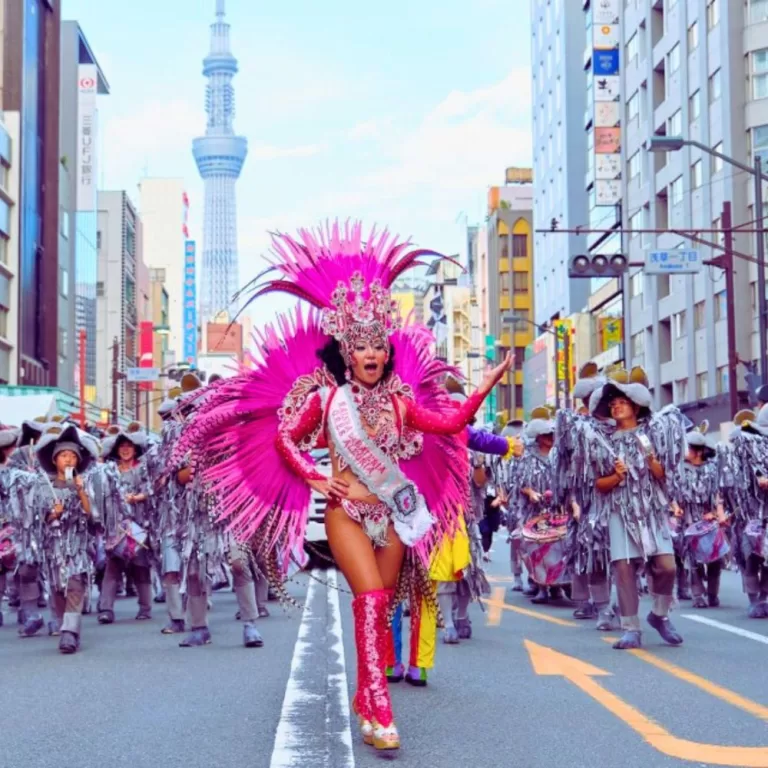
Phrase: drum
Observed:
(130, 539)
(707, 541)
(754, 539)
(544, 550)
(10, 549)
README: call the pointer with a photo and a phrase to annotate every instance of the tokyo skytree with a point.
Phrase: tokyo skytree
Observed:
(219, 155)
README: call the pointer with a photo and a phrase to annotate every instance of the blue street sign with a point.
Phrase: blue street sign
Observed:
(676, 261)
(605, 62)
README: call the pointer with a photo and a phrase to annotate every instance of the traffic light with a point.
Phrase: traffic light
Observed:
(597, 265)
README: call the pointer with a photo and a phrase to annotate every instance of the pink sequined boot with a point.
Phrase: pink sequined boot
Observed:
(372, 700)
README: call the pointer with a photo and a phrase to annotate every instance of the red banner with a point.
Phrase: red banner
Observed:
(146, 351)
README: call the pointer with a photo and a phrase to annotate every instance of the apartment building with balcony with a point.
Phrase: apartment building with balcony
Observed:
(693, 69)
(119, 251)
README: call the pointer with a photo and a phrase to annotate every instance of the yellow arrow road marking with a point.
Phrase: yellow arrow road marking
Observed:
(752, 707)
(546, 661)
(497, 603)
(495, 610)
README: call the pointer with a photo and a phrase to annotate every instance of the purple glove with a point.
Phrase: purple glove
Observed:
(485, 442)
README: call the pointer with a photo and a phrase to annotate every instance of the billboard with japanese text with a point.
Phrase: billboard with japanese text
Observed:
(190, 304)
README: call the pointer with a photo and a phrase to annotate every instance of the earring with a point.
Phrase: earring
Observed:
(348, 374)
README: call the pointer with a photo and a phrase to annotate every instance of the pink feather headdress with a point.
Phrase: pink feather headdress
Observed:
(345, 275)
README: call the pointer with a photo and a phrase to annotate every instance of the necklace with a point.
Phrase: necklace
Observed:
(371, 402)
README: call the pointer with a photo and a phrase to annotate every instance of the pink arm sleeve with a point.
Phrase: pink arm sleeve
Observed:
(449, 422)
(291, 433)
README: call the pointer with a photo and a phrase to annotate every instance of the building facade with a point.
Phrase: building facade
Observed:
(693, 70)
(509, 290)
(9, 245)
(30, 99)
(164, 207)
(219, 155)
(118, 240)
(559, 154)
(82, 82)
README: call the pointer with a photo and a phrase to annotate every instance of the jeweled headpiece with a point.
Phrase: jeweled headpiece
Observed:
(360, 315)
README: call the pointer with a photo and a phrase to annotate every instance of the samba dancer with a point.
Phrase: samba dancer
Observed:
(588, 552)
(744, 482)
(631, 501)
(399, 477)
(696, 494)
(65, 505)
(125, 450)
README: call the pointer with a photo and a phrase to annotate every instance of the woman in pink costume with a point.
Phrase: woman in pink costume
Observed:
(350, 377)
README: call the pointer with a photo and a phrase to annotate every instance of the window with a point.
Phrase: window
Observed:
(63, 345)
(635, 165)
(520, 246)
(679, 322)
(696, 175)
(100, 289)
(717, 162)
(636, 222)
(3, 250)
(699, 315)
(519, 358)
(760, 142)
(693, 36)
(636, 285)
(694, 106)
(713, 18)
(633, 48)
(662, 286)
(638, 344)
(720, 306)
(519, 395)
(63, 282)
(714, 86)
(676, 191)
(64, 222)
(633, 107)
(722, 379)
(675, 125)
(758, 11)
(520, 282)
(702, 385)
(673, 60)
(760, 74)
(681, 390)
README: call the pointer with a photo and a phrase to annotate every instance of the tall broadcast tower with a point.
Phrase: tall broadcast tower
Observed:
(219, 155)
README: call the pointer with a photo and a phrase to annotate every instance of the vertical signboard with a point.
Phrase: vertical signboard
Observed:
(606, 63)
(565, 368)
(85, 172)
(146, 350)
(190, 304)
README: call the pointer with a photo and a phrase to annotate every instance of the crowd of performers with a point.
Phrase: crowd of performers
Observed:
(77, 511)
(595, 497)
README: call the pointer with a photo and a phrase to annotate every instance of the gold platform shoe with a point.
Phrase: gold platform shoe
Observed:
(385, 738)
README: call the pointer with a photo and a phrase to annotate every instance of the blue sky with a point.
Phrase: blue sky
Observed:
(401, 113)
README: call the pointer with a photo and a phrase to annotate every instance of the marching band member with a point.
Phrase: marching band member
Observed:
(632, 466)
(128, 533)
(696, 494)
(67, 516)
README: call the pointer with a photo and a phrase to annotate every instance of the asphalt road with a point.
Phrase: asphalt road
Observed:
(524, 692)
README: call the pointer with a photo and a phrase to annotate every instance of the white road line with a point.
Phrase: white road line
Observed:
(337, 680)
(727, 628)
(319, 644)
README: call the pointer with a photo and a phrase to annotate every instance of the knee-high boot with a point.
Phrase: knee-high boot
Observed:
(372, 701)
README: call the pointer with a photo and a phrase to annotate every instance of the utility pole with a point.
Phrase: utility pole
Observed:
(727, 266)
(116, 376)
(82, 373)
(762, 317)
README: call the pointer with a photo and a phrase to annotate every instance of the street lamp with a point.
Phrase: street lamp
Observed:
(675, 143)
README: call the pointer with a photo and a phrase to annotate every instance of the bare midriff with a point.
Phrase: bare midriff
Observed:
(357, 491)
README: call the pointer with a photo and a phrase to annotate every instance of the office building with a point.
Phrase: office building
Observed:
(219, 155)
(30, 103)
(559, 94)
(119, 248)
(164, 207)
(82, 82)
(686, 65)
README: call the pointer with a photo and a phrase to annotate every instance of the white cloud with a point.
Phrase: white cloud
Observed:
(367, 130)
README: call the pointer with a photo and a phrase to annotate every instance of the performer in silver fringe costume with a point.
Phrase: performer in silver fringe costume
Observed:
(588, 546)
(67, 514)
(124, 451)
(531, 477)
(513, 429)
(696, 496)
(633, 465)
(744, 483)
